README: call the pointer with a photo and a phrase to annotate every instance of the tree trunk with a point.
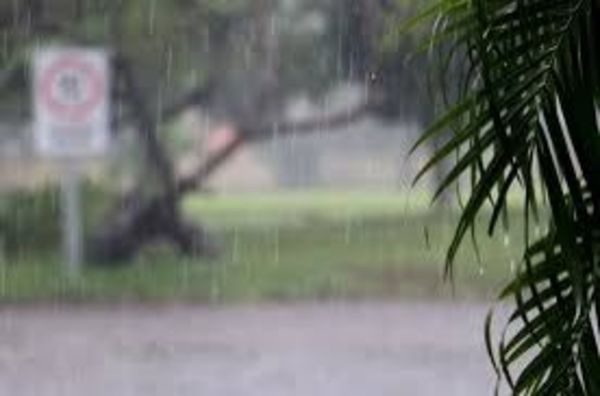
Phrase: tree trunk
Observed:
(140, 219)
(136, 223)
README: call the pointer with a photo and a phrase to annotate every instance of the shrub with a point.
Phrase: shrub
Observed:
(30, 220)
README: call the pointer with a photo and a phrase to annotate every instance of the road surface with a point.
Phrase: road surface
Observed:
(329, 349)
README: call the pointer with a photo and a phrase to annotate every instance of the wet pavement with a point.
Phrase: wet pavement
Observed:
(330, 349)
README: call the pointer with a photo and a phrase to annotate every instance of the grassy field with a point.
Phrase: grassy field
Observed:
(285, 247)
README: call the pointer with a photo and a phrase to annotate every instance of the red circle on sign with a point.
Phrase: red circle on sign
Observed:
(75, 110)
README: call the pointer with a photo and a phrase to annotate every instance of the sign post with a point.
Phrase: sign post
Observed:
(71, 106)
(72, 223)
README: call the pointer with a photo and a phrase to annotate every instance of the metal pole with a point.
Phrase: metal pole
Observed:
(72, 228)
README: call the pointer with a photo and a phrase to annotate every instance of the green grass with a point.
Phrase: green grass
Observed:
(288, 246)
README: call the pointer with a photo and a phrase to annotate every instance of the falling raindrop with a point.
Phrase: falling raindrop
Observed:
(215, 290)
(481, 271)
(275, 141)
(159, 107)
(207, 40)
(15, 12)
(185, 275)
(169, 66)
(152, 17)
(106, 23)
(367, 91)
(235, 247)
(339, 56)
(194, 77)
(513, 266)
(28, 23)
(348, 231)
(538, 231)
(372, 77)
(276, 246)
(326, 110)
(506, 240)
(2, 268)
(119, 110)
(4, 45)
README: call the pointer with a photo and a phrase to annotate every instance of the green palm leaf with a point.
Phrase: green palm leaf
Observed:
(528, 117)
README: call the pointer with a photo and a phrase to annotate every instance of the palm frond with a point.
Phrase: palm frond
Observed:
(528, 117)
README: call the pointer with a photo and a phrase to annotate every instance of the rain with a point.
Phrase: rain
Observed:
(232, 198)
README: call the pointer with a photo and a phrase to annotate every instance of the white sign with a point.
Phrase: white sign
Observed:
(71, 90)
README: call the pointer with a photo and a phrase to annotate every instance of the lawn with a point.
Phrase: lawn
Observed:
(286, 247)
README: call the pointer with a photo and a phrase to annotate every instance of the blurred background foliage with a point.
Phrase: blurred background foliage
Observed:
(254, 66)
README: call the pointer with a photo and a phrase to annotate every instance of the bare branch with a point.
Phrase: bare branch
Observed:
(330, 121)
(216, 160)
(210, 165)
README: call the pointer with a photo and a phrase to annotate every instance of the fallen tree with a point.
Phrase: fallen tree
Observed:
(138, 220)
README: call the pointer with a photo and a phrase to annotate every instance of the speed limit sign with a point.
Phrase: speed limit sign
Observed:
(71, 102)
(71, 90)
